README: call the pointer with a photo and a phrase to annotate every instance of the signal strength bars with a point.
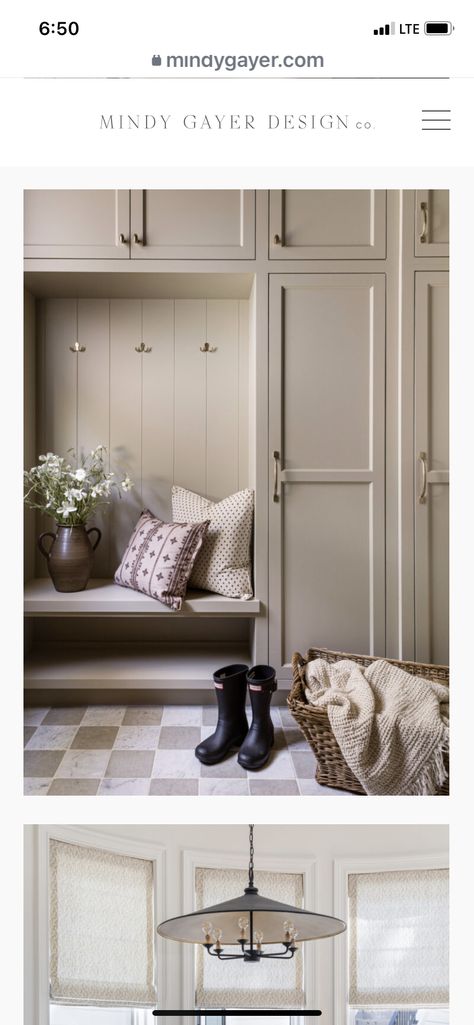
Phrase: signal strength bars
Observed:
(385, 30)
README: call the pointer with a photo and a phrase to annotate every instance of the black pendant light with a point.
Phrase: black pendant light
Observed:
(249, 922)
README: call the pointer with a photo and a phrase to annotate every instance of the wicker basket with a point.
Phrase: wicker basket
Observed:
(331, 768)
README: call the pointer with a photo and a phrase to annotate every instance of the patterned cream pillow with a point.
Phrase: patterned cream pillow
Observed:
(223, 564)
(159, 558)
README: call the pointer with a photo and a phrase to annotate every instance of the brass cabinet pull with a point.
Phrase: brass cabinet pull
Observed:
(277, 240)
(123, 241)
(424, 477)
(424, 226)
(276, 456)
(136, 240)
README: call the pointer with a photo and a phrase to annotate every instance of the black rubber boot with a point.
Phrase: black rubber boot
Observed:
(232, 725)
(255, 750)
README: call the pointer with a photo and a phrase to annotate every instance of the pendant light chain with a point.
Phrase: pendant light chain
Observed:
(251, 856)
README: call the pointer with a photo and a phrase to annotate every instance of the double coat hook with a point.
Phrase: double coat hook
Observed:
(208, 348)
(143, 348)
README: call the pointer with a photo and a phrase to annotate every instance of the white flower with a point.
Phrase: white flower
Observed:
(66, 510)
(76, 494)
(80, 474)
(127, 484)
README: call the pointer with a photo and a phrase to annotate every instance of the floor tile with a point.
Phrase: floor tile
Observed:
(142, 738)
(295, 740)
(174, 787)
(181, 738)
(95, 738)
(34, 716)
(224, 787)
(276, 717)
(52, 738)
(73, 787)
(310, 788)
(209, 715)
(280, 766)
(176, 764)
(149, 715)
(116, 787)
(42, 763)
(273, 787)
(103, 715)
(83, 765)
(305, 764)
(36, 787)
(130, 764)
(228, 769)
(182, 715)
(286, 717)
(64, 717)
(27, 734)
(206, 731)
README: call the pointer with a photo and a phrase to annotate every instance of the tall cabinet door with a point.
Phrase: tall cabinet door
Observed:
(327, 438)
(432, 467)
(192, 224)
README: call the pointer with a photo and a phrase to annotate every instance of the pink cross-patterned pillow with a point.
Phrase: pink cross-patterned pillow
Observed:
(159, 558)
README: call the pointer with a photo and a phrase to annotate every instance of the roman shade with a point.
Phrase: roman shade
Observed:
(274, 984)
(398, 938)
(101, 927)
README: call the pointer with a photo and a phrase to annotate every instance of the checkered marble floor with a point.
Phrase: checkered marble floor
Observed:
(108, 750)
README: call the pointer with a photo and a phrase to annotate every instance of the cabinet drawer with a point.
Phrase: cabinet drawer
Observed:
(77, 224)
(320, 224)
(432, 222)
(187, 224)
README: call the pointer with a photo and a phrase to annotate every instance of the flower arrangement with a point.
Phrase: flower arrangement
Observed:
(71, 495)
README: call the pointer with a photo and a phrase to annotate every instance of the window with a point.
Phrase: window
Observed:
(398, 947)
(101, 924)
(270, 987)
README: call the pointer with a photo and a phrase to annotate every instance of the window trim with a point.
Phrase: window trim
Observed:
(343, 867)
(305, 866)
(86, 837)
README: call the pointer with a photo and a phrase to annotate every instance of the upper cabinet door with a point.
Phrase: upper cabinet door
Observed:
(89, 224)
(199, 224)
(321, 224)
(432, 222)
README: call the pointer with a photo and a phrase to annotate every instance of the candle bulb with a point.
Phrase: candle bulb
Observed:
(259, 938)
(243, 926)
(207, 930)
(217, 939)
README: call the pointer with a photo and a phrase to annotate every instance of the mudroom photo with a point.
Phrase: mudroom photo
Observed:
(236, 492)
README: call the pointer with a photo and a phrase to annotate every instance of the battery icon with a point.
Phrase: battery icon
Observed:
(438, 28)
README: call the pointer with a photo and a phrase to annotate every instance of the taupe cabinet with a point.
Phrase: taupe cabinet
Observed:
(89, 224)
(300, 348)
(140, 225)
(327, 429)
(319, 224)
(432, 467)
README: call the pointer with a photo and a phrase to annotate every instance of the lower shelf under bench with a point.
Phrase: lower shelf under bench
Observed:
(114, 642)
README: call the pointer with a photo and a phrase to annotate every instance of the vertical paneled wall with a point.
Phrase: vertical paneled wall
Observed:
(172, 414)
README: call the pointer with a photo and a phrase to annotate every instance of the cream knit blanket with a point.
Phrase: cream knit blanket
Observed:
(392, 728)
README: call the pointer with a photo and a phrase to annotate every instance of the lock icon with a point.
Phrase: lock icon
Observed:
(156, 60)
